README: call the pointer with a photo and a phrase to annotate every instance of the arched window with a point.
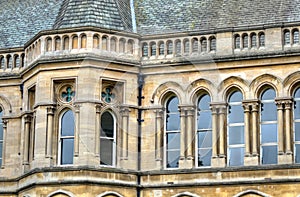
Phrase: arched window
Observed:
(104, 43)
(9, 61)
(245, 41)
(287, 37)
(107, 139)
(235, 125)
(66, 141)
(145, 50)
(83, 41)
(1, 136)
(169, 47)
(195, 45)
(203, 43)
(178, 47)
(57, 44)
(253, 40)
(237, 41)
(66, 43)
(96, 42)
(75, 42)
(204, 132)
(48, 44)
(113, 44)
(268, 127)
(122, 45)
(297, 126)
(17, 61)
(213, 44)
(295, 36)
(2, 62)
(161, 48)
(153, 49)
(130, 46)
(186, 48)
(172, 127)
(261, 39)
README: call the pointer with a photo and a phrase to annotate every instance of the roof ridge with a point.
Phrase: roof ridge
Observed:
(123, 8)
(61, 14)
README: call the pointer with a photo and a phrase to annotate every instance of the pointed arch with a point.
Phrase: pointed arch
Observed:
(63, 192)
(198, 86)
(290, 82)
(5, 105)
(164, 90)
(183, 194)
(232, 83)
(110, 193)
(256, 86)
(250, 191)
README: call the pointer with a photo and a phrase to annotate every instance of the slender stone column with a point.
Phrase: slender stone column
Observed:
(254, 128)
(214, 132)
(125, 123)
(222, 129)
(288, 147)
(246, 107)
(182, 132)
(50, 114)
(27, 119)
(280, 126)
(4, 122)
(77, 125)
(97, 132)
(190, 132)
(158, 134)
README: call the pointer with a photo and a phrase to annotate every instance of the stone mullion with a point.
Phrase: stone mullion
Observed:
(280, 127)
(125, 124)
(27, 120)
(288, 147)
(190, 132)
(50, 114)
(214, 132)
(76, 136)
(222, 114)
(158, 135)
(97, 133)
(4, 122)
(246, 107)
(182, 132)
(254, 117)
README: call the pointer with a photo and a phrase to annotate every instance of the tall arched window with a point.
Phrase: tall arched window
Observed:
(237, 41)
(1, 136)
(83, 41)
(75, 42)
(66, 43)
(245, 41)
(107, 139)
(213, 44)
(172, 126)
(96, 42)
(178, 47)
(253, 40)
(194, 45)
(57, 44)
(169, 47)
(186, 47)
(161, 48)
(153, 49)
(113, 44)
(287, 37)
(17, 61)
(48, 44)
(9, 61)
(130, 47)
(66, 142)
(235, 125)
(268, 127)
(104, 42)
(204, 132)
(2, 62)
(122, 45)
(295, 36)
(297, 126)
(203, 44)
(261, 39)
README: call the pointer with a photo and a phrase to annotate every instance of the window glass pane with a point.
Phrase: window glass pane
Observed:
(204, 103)
(245, 41)
(237, 42)
(170, 48)
(107, 125)
(236, 97)
(268, 133)
(172, 105)
(173, 159)
(106, 151)
(269, 94)
(205, 139)
(173, 141)
(67, 151)
(297, 131)
(297, 153)
(204, 120)
(236, 156)
(269, 154)
(1, 131)
(236, 114)
(287, 37)
(236, 135)
(297, 110)
(161, 49)
(1, 145)
(173, 122)
(262, 40)
(268, 112)
(297, 93)
(67, 124)
(204, 157)
(296, 37)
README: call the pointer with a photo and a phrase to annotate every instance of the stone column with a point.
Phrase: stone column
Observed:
(288, 146)
(182, 111)
(27, 119)
(50, 114)
(159, 137)
(97, 132)
(222, 129)
(214, 132)
(76, 136)
(4, 122)
(246, 107)
(125, 123)
(190, 132)
(255, 107)
(280, 126)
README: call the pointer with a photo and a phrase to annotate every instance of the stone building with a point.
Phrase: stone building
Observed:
(143, 98)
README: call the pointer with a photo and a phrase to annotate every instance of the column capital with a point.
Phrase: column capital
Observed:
(98, 108)
(50, 110)
(28, 118)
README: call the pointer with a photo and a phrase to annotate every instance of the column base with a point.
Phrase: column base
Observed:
(285, 159)
(251, 160)
(159, 164)
(218, 162)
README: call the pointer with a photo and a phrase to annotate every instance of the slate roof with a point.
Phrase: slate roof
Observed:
(162, 16)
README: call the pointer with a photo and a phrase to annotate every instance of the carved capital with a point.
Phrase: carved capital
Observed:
(50, 110)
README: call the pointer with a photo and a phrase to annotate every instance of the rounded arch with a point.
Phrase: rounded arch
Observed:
(165, 90)
(184, 194)
(63, 192)
(230, 84)
(198, 87)
(110, 193)
(291, 82)
(250, 191)
(258, 84)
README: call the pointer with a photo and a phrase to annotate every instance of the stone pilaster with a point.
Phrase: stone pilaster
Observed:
(77, 126)
(49, 141)
(4, 122)
(159, 137)
(125, 128)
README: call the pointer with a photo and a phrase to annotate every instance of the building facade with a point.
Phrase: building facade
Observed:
(149, 99)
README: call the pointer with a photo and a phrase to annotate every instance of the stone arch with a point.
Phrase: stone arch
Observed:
(231, 83)
(266, 80)
(185, 194)
(61, 193)
(291, 82)
(110, 194)
(253, 192)
(160, 94)
(198, 86)
(5, 105)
